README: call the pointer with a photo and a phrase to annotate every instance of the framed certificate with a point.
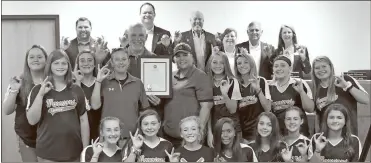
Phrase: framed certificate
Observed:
(155, 73)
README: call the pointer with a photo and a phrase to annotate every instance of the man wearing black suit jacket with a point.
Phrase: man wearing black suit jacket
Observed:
(199, 40)
(82, 42)
(261, 51)
(158, 40)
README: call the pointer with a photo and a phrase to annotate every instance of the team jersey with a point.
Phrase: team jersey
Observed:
(247, 151)
(220, 110)
(296, 156)
(342, 97)
(88, 152)
(152, 154)
(94, 116)
(249, 108)
(23, 129)
(271, 155)
(283, 99)
(59, 125)
(204, 154)
(337, 152)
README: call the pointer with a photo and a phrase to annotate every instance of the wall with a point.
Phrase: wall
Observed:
(340, 30)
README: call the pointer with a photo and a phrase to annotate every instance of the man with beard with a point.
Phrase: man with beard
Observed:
(199, 40)
(84, 41)
(158, 40)
(260, 51)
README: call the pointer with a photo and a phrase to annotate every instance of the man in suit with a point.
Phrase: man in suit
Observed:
(199, 40)
(158, 40)
(261, 51)
(84, 42)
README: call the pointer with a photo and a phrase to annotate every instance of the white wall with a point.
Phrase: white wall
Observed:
(340, 30)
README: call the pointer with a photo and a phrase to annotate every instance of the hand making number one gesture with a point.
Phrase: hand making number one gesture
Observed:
(173, 157)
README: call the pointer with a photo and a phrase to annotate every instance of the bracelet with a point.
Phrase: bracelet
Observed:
(13, 91)
(98, 81)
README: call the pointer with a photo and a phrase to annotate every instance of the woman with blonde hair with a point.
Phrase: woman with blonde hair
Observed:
(255, 94)
(330, 88)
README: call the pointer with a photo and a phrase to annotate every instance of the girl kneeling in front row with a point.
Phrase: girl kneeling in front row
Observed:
(145, 145)
(107, 149)
(335, 143)
(228, 146)
(192, 149)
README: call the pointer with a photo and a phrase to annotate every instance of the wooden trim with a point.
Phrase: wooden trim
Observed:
(38, 17)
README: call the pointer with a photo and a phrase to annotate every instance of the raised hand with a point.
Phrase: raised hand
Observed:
(124, 40)
(100, 49)
(165, 40)
(15, 83)
(177, 36)
(340, 82)
(65, 43)
(301, 52)
(286, 154)
(298, 86)
(137, 139)
(46, 86)
(224, 86)
(303, 148)
(244, 51)
(321, 142)
(97, 146)
(173, 157)
(102, 73)
(255, 84)
(215, 49)
(77, 73)
(219, 159)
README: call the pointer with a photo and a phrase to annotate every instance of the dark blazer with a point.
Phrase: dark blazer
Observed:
(266, 60)
(160, 49)
(73, 50)
(187, 37)
(303, 67)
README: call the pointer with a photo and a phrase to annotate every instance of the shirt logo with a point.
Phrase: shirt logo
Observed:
(60, 106)
(111, 89)
(322, 102)
(248, 100)
(155, 159)
(283, 104)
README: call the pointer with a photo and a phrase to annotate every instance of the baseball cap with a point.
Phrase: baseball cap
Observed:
(182, 47)
(283, 58)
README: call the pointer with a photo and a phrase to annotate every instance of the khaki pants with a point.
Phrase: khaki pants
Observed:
(28, 154)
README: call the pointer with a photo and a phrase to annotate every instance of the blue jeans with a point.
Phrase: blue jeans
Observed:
(28, 154)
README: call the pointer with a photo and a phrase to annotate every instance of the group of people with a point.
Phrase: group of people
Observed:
(230, 102)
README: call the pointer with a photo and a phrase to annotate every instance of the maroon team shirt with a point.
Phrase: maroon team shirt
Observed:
(342, 97)
(152, 154)
(248, 153)
(220, 110)
(59, 131)
(336, 152)
(283, 99)
(251, 108)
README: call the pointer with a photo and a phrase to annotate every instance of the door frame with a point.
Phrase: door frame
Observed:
(55, 18)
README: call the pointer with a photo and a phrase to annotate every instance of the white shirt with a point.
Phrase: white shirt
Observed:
(255, 52)
(199, 43)
(148, 44)
(231, 57)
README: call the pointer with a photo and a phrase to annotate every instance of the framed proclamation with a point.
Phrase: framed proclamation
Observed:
(155, 73)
